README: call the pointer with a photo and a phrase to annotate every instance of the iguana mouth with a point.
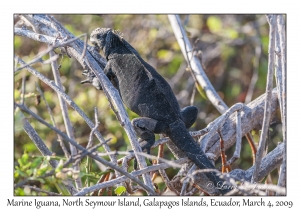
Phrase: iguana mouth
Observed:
(96, 46)
(94, 42)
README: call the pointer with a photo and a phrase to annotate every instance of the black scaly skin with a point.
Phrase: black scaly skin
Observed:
(147, 93)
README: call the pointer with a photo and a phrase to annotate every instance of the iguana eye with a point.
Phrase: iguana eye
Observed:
(99, 36)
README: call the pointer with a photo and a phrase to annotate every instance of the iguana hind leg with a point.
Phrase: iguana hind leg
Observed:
(145, 128)
(189, 115)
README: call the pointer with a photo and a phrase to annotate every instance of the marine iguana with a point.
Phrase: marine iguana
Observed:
(148, 94)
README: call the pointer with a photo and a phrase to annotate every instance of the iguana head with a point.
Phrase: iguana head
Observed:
(106, 39)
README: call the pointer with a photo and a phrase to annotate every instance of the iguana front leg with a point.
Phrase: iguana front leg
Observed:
(92, 79)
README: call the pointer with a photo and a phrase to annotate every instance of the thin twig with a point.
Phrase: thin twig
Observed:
(250, 189)
(65, 115)
(121, 179)
(60, 140)
(50, 48)
(81, 154)
(218, 124)
(225, 166)
(102, 178)
(152, 157)
(252, 146)
(282, 84)
(23, 88)
(256, 59)
(84, 48)
(37, 117)
(163, 173)
(187, 179)
(97, 123)
(238, 143)
(101, 191)
(41, 190)
(267, 112)
(193, 95)
(196, 67)
(35, 36)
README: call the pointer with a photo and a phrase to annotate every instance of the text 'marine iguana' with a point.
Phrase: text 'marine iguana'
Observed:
(147, 93)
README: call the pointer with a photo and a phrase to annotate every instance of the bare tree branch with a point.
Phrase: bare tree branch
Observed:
(41, 190)
(256, 59)
(282, 92)
(201, 77)
(251, 118)
(267, 113)
(62, 144)
(66, 118)
(218, 124)
(270, 162)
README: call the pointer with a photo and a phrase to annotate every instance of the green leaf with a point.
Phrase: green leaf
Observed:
(26, 166)
(41, 180)
(104, 172)
(214, 24)
(164, 54)
(36, 162)
(42, 170)
(16, 174)
(29, 172)
(22, 173)
(201, 90)
(89, 175)
(20, 162)
(153, 33)
(120, 190)
(30, 147)
(19, 192)
(18, 41)
(60, 166)
(230, 33)
(25, 158)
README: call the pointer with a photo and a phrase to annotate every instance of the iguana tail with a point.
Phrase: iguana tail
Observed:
(183, 140)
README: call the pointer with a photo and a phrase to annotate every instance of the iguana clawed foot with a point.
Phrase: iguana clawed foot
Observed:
(91, 78)
(145, 147)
